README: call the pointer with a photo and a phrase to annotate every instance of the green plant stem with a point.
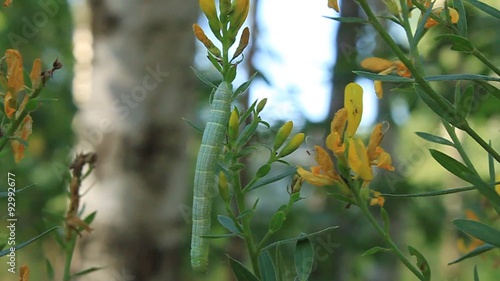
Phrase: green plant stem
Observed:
(245, 221)
(485, 60)
(419, 79)
(364, 208)
(70, 247)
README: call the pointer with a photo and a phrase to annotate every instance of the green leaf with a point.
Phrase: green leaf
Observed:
(464, 103)
(375, 250)
(383, 78)
(492, 90)
(228, 224)
(348, 19)
(385, 219)
(240, 271)
(468, 77)
(479, 230)
(453, 166)
(277, 221)
(419, 33)
(203, 78)
(477, 251)
(431, 193)
(288, 172)
(6, 194)
(485, 8)
(86, 271)
(244, 86)
(434, 138)
(50, 270)
(218, 236)
(422, 263)
(304, 257)
(476, 275)
(26, 243)
(281, 268)
(447, 113)
(291, 240)
(266, 266)
(458, 43)
(462, 18)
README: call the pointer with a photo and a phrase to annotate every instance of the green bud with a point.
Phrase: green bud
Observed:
(263, 171)
(234, 125)
(282, 134)
(277, 221)
(292, 145)
(261, 105)
(223, 187)
(297, 183)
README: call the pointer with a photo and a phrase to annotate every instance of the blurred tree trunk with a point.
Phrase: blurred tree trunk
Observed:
(141, 87)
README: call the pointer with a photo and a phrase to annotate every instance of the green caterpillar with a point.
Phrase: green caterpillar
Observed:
(204, 179)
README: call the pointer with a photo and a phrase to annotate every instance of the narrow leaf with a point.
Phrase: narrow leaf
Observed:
(375, 250)
(243, 87)
(385, 219)
(462, 18)
(383, 78)
(5, 194)
(453, 166)
(288, 172)
(434, 138)
(419, 33)
(476, 275)
(348, 19)
(26, 243)
(485, 8)
(477, 251)
(479, 230)
(50, 270)
(240, 271)
(492, 90)
(422, 263)
(464, 103)
(469, 77)
(304, 257)
(267, 271)
(291, 240)
(203, 78)
(458, 43)
(87, 271)
(228, 224)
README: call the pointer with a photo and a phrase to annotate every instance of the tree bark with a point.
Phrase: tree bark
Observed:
(141, 87)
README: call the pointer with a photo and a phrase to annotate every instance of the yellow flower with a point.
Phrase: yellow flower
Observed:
(334, 140)
(384, 67)
(324, 174)
(15, 78)
(353, 103)
(334, 5)
(438, 11)
(377, 199)
(22, 133)
(358, 159)
(24, 273)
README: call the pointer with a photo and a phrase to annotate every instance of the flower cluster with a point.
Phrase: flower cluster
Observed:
(13, 100)
(349, 150)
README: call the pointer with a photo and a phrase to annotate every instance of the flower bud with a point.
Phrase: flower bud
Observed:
(234, 125)
(261, 105)
(263, 171)
(200, 35)
(277, 221)
(283, 134)
(292, 145)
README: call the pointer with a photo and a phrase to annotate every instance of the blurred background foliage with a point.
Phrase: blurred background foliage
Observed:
(424, 223)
